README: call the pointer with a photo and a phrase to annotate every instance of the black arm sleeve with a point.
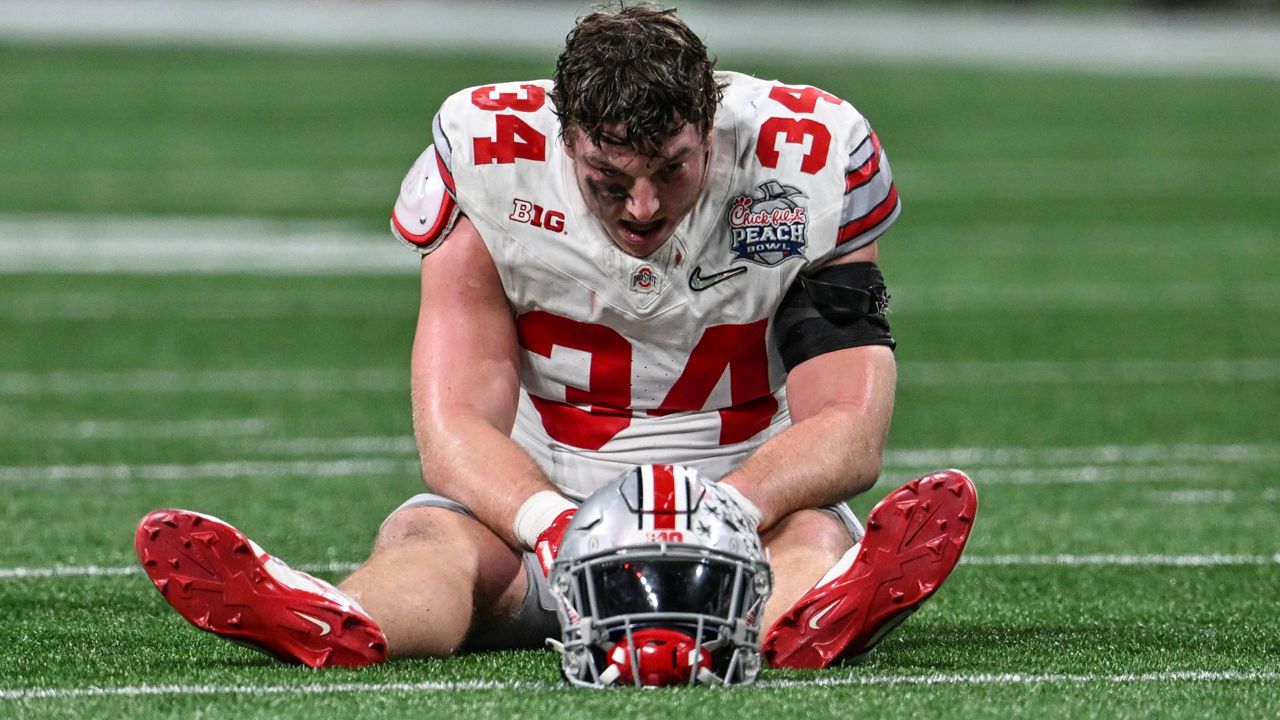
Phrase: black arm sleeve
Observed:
(837, 307)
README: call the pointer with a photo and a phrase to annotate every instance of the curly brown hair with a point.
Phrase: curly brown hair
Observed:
(637, 66)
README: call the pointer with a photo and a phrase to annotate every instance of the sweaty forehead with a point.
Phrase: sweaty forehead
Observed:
(676, 148)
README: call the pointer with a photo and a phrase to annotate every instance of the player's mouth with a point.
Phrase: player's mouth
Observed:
(643, 236)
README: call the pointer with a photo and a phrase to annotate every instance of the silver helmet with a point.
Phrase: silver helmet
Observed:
(660, 580)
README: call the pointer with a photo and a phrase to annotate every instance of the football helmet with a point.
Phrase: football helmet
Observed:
(661, 580)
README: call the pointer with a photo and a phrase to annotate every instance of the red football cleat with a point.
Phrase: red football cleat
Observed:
(223, 583)
(914, 539)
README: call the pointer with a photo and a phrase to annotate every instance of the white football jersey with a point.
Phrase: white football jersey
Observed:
(669, 358)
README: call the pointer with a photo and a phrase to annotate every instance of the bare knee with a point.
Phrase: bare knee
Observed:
(817, 531)
(432, 572)
(422, 525)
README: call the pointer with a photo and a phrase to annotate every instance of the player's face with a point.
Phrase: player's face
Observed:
(638, 198)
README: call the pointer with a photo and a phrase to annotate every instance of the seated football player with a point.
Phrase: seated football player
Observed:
(642, 260)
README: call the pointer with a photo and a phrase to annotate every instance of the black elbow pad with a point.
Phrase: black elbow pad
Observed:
(837, 307)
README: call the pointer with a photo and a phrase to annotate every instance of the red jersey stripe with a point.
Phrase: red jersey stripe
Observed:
(445, 175)
(877, 215)
(863, 174)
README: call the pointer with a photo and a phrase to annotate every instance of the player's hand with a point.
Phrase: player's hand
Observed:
(750, 512)
(548, 544)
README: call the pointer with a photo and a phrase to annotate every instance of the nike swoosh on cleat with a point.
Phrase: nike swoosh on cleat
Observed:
(817, 617)
(699, 282)
(324, 626)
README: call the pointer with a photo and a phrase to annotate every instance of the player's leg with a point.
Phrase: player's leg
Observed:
(913, 540)
(433, 574)
(801, 547)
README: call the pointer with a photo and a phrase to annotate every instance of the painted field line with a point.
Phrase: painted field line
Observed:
(1126, 42)
(396, 379)
(309, 380)
(241, 469)
(1215, 560)
(229, 470)
(1087, 474)
(247, 469)
(69, 571)
(1090, 372)
(1193, 676)
(1150, 453)
(923, 458)
(134, 429)
(1061, 560)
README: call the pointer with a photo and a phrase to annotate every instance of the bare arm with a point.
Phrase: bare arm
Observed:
(841, 403)
(466, 386)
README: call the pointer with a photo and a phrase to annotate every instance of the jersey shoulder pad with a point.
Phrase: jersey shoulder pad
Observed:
(497, 142)
(426, 210)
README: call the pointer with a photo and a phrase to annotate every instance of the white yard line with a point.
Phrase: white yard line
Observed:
(1127, 42)
(1149, 560)
(395, 379)
(131, 430)
(1059, 560)
(225, 470)
(833, 680)
(66, 571)
(93, 382)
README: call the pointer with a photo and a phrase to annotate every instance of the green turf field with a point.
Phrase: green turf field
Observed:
(1088, 311)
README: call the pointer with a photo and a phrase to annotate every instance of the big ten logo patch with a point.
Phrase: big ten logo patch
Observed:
(523, 211)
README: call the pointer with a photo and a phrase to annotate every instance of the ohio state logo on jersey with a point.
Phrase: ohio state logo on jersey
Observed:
(769, 225)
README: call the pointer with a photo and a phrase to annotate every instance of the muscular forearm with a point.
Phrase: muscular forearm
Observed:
(833, 449)
(476, 464)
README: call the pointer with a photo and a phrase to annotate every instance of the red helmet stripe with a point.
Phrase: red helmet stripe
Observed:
(664, 498)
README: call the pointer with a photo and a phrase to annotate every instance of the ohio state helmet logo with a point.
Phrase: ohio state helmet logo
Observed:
(768, 226)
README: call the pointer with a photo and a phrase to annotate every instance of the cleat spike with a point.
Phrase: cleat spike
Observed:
(936, 544)
(236, 620)
(964, 517)
(927, 587)
(162, 585)
(942, 523)
(196, 521)
(957, 489)
(147, 560)
(202, 622)
(173, 562)
(185, 583)
(896, 595)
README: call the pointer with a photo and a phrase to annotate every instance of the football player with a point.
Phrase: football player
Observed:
(640, 260)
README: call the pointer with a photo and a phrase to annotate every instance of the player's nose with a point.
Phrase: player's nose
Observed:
(642, 201)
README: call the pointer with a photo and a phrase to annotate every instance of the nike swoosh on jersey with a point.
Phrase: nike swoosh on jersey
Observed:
(324, 626)
(817, 617)
(699, 282)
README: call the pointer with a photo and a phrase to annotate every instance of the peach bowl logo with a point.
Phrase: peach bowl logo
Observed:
(768, 226)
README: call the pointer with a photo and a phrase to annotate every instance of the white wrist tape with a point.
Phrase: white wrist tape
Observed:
(537, 513)
(749, 509)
